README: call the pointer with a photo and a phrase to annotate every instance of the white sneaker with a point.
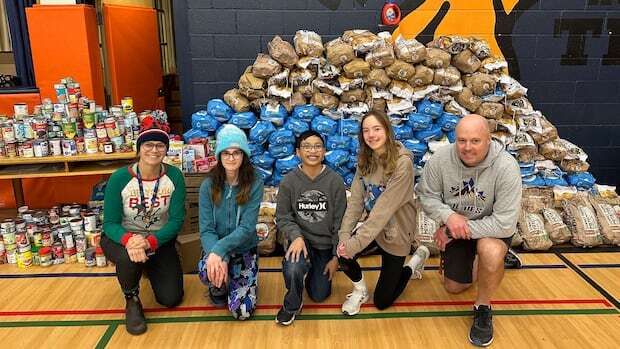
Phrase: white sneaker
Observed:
(423, 253)
(354, 302)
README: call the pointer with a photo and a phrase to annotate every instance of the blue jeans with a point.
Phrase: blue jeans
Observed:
(309, 272)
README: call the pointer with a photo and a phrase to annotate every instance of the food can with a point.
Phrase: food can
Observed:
(127, 104)
(9, 238)
(27, 150)
(67, 240)
(19, 129)
(24, 259)
(36, 259)
(111, 128)
(55, 147)
(57, 252)
(90, 222)
(41, 148)
(69, 147)
(8, 132)
(20, 109)
(45, 257)
(89, 257)
(11, 149)
(39, 126)
(80, 146)
(21, 240)
(91, 145)
(108, 148)
(80, 244)
(117, 142)
(100, 257)
(46, 238)
(11, 256)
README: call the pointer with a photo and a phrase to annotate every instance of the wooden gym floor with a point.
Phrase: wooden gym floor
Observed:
(556, 301)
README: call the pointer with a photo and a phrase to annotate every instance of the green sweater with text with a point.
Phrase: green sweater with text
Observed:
(159, 222)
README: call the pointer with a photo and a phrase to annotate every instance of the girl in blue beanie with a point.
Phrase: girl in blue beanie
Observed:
(229, 201)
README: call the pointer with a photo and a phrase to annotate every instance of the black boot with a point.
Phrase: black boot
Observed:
(135, 323)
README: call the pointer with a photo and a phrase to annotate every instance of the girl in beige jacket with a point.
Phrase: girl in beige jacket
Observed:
(382, 188)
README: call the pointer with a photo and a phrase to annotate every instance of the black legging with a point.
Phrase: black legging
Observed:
(392, 279)
(163, 269)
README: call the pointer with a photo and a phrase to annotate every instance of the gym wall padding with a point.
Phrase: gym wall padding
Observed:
(47, 192)
(133, 55)
(64, 40)
(8, 100)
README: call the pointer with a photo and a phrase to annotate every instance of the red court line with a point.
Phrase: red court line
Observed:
(306, 306)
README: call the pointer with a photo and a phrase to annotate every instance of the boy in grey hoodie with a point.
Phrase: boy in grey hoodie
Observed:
(473, 188)
(311, 202)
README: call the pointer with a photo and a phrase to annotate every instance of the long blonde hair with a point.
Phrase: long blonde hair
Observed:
(367, 160)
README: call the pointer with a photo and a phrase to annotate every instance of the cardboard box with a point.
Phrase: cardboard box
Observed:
(190, 251)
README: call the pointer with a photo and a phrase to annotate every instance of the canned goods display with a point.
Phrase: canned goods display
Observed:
(72, 124)
(48, 240)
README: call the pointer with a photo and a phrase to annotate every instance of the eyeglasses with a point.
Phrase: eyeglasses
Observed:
(159, 146)
(311, 147)
(232, 155)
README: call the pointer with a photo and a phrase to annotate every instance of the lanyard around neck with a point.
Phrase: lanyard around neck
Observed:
(155, 189)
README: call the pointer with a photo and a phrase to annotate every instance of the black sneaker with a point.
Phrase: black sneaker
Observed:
(286, 317)
(135, 323)
(512, 260)
(218, 296)
(481, 333)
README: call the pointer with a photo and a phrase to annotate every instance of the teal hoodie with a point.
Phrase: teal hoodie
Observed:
(488, 194)
(228, 228)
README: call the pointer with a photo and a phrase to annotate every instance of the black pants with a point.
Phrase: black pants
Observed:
(392, 279)
(163, 270)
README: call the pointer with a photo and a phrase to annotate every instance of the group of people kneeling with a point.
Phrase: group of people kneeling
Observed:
(472, 187)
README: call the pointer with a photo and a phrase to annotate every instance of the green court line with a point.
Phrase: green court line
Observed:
(362, 316)
(105, 339)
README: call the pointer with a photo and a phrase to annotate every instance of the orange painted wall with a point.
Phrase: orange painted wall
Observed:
(7, 101)
(464, 17)
(47, 192)
(133, 55)
(64, 41)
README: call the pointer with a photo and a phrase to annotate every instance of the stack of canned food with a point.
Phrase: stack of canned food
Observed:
(67, 234)
(74, 125)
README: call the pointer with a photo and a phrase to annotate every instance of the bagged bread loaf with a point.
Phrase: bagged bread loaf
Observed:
(491, 110)
(339, 52)
(437, 58)
(357, 68)
(308, 43)
(447, 76)
(377, 78)
(422, 77)
(410, 51)
(324, 101)
(400, 70)
(282, 51)
(532, 230)
(264, 66)
(582, 222)
(466, 62)
(555, 226)
(236, 100)
(381, 56)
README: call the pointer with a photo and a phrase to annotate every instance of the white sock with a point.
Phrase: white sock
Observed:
(360, 285)
(414, 261)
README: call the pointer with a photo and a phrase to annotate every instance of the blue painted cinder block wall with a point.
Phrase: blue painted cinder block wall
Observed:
(567, 52)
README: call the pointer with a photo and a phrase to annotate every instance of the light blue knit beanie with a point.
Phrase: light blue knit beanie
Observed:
(230, 136)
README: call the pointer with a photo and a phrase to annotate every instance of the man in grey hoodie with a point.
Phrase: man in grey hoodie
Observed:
(473, 188)
(311, 202)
